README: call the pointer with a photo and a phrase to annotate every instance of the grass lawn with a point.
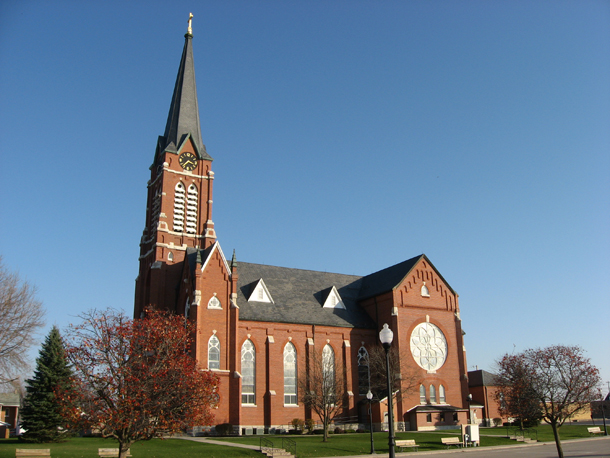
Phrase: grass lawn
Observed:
(545, 432)
(307, 446)
(86, 447)
(360, 444)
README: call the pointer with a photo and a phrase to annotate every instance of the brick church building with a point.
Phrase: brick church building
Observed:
(259, 325)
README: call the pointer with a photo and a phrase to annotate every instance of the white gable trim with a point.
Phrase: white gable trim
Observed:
(261, 290)
(215, 247)
(333, 300)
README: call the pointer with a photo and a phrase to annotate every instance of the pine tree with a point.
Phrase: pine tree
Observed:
(40, 415)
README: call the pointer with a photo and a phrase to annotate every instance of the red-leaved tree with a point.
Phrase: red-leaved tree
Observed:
(515, 395)
(563, 381)
(134, 379)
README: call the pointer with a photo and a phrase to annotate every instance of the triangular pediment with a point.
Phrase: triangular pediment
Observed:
(260, 293)
(333, 299)
(208, 254)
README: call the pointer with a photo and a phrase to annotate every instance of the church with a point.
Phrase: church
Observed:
(259, 326)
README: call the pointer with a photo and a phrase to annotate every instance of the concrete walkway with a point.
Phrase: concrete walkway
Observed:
(595, 447)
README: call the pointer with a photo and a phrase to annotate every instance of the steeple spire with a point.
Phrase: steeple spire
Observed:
(183, 117)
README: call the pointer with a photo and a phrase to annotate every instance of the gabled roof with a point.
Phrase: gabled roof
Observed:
(388, 279)
(10, 399)
(299, 296)
(197, 256)
(183, 117)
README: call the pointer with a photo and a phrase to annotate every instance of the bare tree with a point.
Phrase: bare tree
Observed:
(404, 376)
(322, 387)
(22, 315)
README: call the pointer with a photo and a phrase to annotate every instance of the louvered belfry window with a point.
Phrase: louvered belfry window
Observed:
(191, 210)
(179, 198)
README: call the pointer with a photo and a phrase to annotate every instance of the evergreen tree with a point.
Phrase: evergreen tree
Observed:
(40, 415)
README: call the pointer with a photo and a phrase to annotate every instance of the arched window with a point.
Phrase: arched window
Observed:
(213, 353)
(248, 373)
(425, 291)
(328, 371)
(433, 399)
(191, 210)
(179, 208)
(441, 392)
(214, 303)
(363, 372)
(290, 374)
(422, 394)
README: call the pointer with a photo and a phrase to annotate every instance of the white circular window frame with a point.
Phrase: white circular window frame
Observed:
(428, 346)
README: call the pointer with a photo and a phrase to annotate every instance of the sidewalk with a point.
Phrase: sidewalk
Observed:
(516, 450)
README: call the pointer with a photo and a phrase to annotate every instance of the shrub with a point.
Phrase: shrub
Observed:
(310, 424)
(297, 424)
(224, 429)
(339, 430)
(497, 421)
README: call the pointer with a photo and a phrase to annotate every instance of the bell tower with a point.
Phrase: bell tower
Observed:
(179, 204)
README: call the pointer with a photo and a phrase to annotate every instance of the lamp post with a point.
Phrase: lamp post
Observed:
(603, 416)
(386, 335)
(469, 399)
(369, 396)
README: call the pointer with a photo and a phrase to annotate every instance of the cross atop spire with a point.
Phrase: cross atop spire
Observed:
(189, 30)
(183, 117)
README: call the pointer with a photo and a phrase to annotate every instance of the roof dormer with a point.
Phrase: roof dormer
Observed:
(260, 293)
(333, 300)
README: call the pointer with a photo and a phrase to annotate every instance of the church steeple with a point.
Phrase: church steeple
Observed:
(179, 203)
(183, 118)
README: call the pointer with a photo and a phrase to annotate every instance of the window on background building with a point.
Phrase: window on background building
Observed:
(363, 372)
(455, 416)
(248, 373)
(441, 392)
(328, 370)
(213, 353)
(290, 374)
(429, 418)
(433, 399)
(422, 394)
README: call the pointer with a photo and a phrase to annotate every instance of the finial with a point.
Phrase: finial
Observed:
(233, 261)
(190, 28)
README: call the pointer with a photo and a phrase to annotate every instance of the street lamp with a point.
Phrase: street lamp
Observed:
(369, 396)
(469, 399)
(386, 335)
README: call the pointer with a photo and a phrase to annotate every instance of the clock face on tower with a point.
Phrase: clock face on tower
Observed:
(188, 161)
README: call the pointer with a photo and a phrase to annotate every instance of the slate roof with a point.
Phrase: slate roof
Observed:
(298, 296)
(481, 378)
(183, 117)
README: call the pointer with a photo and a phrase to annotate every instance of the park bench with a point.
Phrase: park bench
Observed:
(406, 443)
(449, 441)
(595, 430)
(109, 452)
(32, 452)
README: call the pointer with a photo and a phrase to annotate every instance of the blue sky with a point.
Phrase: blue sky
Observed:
(347, 137)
